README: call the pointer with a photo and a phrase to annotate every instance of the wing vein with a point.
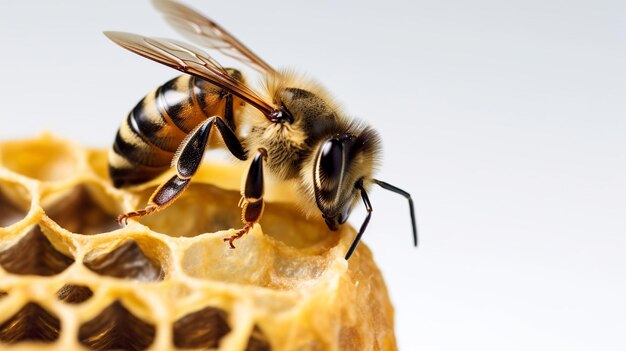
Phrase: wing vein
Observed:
(190, 60)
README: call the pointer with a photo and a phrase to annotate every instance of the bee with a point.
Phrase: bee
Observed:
(295, 130)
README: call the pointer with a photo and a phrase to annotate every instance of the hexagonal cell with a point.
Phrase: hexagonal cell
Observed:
(34, 254)
(201, 329)
(212, 259)
(74, 294)
(115, 328)
(286, 223)
(204, 329)
(248, 264)
(45, 158)
(127, 261)
(202, 208)
(31, 323)
(258, 341)
(85, 209)
(3, 294)
(14, 203)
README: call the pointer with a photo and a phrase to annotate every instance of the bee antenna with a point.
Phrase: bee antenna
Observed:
(397, 190)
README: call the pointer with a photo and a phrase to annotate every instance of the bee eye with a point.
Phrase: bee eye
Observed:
(331, 167)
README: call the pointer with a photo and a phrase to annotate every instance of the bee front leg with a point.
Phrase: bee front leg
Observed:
(252, 203)
(368, 208)
(187, 160)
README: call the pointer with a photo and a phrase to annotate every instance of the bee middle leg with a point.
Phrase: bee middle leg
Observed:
(187, 160)
(251, 203)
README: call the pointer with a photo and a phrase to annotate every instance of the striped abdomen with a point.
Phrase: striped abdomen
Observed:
(149, 136)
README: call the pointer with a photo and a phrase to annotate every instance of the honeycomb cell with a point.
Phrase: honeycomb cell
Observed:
(85, 209)
(202, 208)
(30, 323)
(258, 341)
(201, 329)
(243, 265)
(115, 328)
(127, 261)
(255, 261)
(74, 294)
(299, 232)
(3, 294)
(45, 158)
(34, 254)
(14, 203)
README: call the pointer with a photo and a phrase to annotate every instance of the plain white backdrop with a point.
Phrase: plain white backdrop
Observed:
(506, 120)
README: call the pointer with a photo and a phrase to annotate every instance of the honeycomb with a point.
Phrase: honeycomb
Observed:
(72, 279)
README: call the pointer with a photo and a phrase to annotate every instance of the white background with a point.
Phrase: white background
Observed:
(505, 120)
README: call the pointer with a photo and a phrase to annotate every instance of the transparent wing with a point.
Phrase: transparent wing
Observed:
(205, 32)
(190, 60)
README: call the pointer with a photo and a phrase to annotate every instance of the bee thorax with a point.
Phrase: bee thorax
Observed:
(286, 145)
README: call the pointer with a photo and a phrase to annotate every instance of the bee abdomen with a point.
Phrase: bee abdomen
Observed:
(146, 141)
(133, 158)
(188, 101)
(124, 172)
(150, 135)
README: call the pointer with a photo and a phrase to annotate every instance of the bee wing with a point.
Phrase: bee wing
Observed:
(190, 60)
(205, 32)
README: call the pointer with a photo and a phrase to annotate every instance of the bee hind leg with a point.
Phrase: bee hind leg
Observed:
(187, 160)
(252, 203)
(162, 197)
(123, 218)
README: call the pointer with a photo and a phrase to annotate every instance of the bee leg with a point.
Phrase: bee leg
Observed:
(162, 197)
(252, 203)
(368, 207)
(187, 161)
(229, 113)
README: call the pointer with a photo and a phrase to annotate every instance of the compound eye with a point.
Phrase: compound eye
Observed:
(331, 167)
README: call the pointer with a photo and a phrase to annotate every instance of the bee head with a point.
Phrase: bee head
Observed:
(343, 162)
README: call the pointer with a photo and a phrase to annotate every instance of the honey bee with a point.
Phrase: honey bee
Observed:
(296, 132)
